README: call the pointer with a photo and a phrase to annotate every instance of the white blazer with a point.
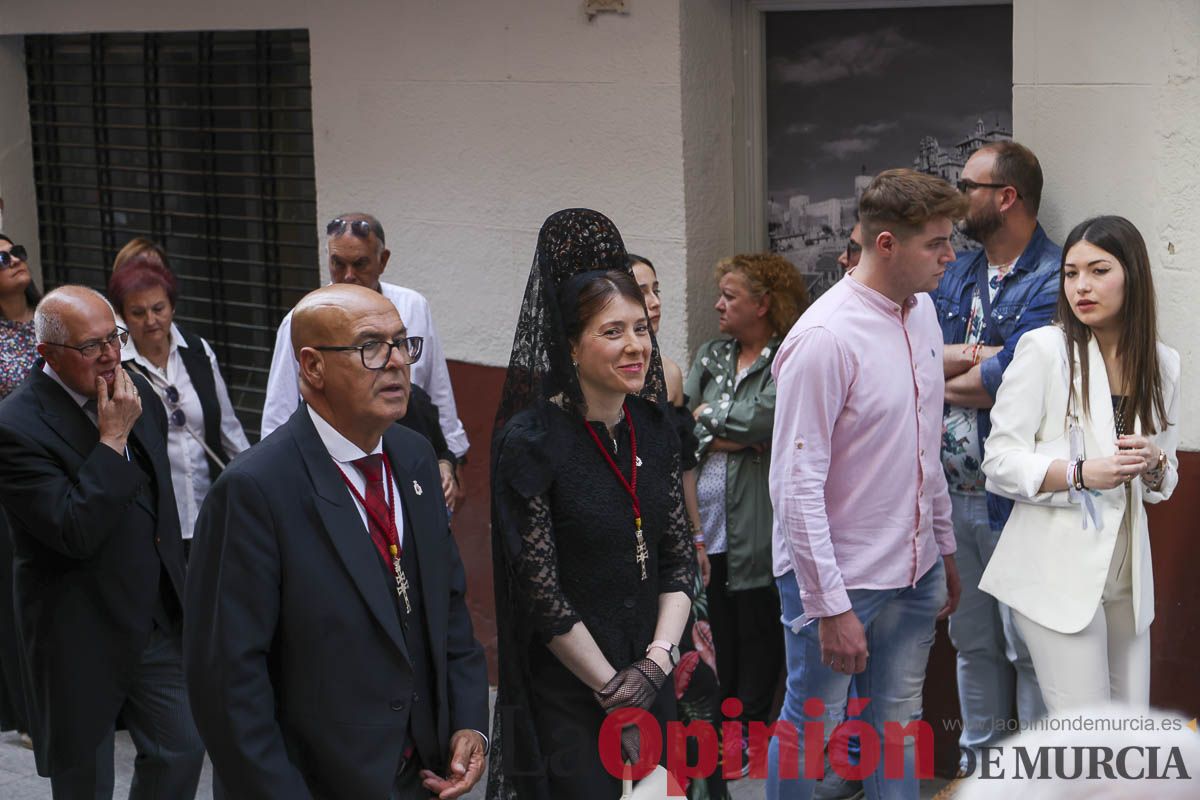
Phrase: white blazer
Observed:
(1046, 565)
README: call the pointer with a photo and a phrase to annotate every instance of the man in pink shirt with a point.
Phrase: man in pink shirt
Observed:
(863, 539)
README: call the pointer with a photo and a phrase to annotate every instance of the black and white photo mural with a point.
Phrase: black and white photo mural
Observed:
(853, 92)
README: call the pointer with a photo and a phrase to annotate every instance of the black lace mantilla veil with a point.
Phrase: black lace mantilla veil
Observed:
(570, 242)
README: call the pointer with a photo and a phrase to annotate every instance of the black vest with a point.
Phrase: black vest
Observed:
(422, 717)
(199, 369)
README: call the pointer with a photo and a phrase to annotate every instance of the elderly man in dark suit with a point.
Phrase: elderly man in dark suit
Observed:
(86, 484)
(329, 650)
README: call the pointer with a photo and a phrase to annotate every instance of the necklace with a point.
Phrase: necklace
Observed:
(388, 526)
(641, 553)
(1119, 414)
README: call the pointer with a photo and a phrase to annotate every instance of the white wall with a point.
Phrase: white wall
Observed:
(18, 211)
(707, 78)
(1107, 93)
(462, 124)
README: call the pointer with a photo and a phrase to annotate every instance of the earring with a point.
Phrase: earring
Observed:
(574, 363)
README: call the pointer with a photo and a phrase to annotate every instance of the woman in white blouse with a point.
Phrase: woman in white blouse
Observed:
(1081, 442)
(203, 433)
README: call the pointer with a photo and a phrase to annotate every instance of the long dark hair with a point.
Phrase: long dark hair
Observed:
(32, 295)
(1138, 342)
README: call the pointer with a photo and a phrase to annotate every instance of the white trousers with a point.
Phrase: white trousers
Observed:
(1106, 661)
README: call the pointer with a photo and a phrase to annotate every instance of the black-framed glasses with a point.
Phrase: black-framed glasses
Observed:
(17, 253)
(376, 355)
(359, 227)
(91, 350)
(966, 186)
(853, 248)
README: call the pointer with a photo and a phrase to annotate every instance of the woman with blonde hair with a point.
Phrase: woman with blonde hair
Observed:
(732, 396)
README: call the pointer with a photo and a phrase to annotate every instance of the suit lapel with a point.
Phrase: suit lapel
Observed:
(1100, 401)
(423, 529)
(64, 416)
(345, 528)
(142, 437)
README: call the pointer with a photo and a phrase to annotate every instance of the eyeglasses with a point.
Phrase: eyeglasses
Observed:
(91, 350)
(17, 253)
(376, 355)
(853, 248)
(359, 227)
(966, 186)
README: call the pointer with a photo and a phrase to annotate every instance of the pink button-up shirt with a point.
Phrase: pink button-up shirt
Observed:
(857, 485)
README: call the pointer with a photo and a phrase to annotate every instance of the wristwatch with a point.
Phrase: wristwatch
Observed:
(663, 644)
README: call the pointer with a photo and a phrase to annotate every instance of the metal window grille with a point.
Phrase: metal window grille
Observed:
(200, 141)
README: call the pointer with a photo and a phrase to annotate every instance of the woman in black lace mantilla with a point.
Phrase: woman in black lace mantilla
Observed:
(589, 604)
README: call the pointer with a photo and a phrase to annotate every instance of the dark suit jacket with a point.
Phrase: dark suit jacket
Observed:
(297, 669)
(87, 561)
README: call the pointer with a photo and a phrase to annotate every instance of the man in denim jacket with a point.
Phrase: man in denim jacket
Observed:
(1020, 267)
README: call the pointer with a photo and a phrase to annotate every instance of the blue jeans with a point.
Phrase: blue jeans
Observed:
(899, 624)
(993, 662)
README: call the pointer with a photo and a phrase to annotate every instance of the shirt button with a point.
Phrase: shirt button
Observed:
(922, 452)
(630, 602)
(398, 704)
(799, 445)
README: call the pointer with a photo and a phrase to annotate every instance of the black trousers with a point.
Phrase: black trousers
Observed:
(749, 642)
(156, 712)
(408, 781)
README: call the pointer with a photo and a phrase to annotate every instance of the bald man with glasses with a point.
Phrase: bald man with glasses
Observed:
(329, 648)
(86, 485)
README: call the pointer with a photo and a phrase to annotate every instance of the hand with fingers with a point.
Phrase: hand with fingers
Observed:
(467, 750)
(843, 643)
(1143, 448)
(116, 415)
(1112, 471)
(636, 686)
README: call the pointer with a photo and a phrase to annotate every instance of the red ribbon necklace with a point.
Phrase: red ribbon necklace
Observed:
(388, 526)
(630, 486)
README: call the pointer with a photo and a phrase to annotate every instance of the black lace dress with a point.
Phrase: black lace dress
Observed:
(565, 553)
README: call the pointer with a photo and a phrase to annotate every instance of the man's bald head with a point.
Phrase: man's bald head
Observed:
(64, 305)
(328, 327)
(71, 317)
(324, 314)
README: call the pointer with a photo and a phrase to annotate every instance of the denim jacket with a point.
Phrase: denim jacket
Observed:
(1025, 301)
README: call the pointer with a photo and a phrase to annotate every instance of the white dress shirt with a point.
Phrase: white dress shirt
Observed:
(430, 373)
(343, 452)
(189, 463)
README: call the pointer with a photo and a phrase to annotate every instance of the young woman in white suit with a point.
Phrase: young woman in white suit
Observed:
(1081, 443)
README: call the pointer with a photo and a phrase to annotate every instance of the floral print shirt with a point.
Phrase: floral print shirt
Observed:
(961, 450)
(18, 354)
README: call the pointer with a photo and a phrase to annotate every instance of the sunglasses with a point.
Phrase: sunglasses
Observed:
(17, 253)
(853, 247)
(178, 418)
(359, 227)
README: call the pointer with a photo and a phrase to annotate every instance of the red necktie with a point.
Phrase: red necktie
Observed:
(378, 514)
